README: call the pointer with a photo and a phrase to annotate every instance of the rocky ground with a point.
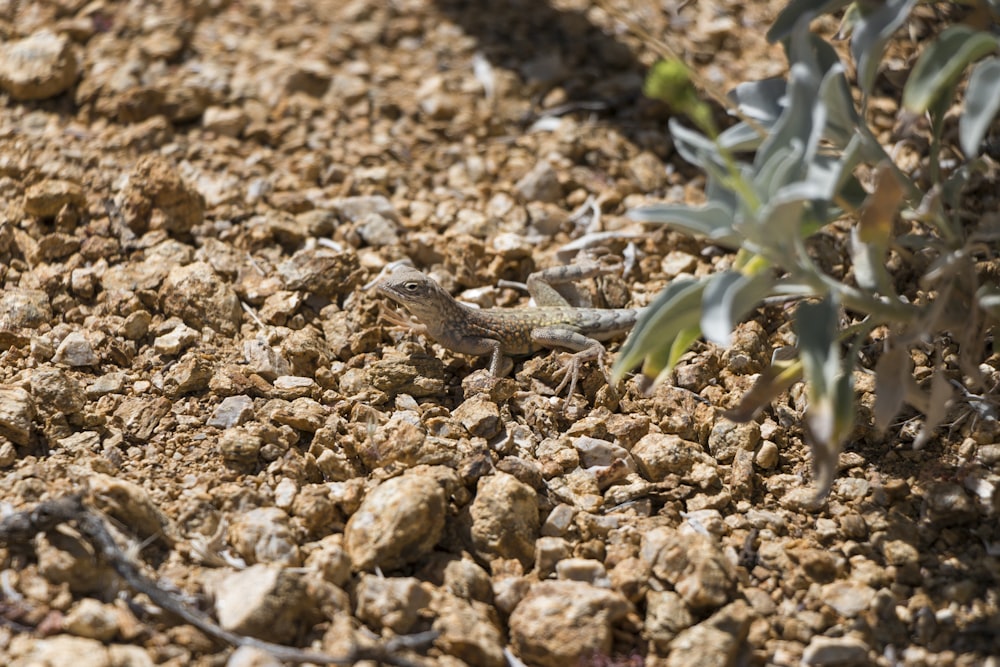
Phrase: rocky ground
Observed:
(195, 195)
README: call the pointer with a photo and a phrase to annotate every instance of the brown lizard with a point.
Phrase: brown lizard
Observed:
(506, 332)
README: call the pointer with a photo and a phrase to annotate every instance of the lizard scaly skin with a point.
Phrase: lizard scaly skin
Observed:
(505, 332)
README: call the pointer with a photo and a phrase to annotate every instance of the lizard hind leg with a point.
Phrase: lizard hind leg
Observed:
(584, 349)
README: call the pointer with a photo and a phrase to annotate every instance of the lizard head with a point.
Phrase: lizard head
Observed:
(416, 292)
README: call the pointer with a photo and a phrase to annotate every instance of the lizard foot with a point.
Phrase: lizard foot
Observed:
(571, 369)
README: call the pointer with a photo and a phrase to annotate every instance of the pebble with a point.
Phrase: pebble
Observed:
(727, 437)
(226, 122)
(89, 618)
(263, 359)
(129, 504)
(695, 565)
(330, 559)
(540, 184)
(399, 521)
(392, 603)
(198, 295)
(17, 410)
(157, 197)
(176, 340)
(69, 650)
(666, 616)
(583, 569)
(265, 535)
(47, 198)
(467, 580)
(479, 415)
(264, 601)
(468, 631)
(504, 519)
(37, 67)
(562, 623)
(76, 350)
(835, 652)
(715, 641)
(848, 598)
(767, 455)
(657, 455)
(22, 308)
(233, 411)
(248, 656)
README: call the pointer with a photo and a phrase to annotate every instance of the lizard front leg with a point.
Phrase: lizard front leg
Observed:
(500, 364)
(585, 349)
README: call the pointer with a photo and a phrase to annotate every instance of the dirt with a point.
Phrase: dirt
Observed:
(196, 197)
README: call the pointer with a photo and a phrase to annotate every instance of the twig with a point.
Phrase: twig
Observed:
(21, 527)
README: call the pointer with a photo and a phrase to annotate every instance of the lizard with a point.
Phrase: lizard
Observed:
(506, 332)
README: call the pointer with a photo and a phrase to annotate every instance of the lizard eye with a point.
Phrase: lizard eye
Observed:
(410, 287)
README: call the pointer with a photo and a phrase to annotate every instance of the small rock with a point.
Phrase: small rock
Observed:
(377, 230)
(666, 616)
(109, 383)
(37, 67)
(848, 598)
(694, 564)
(505, 519)
(767, 455)
(248, 656)
(139, 416)
(548, 552)
(264, 601)
(190, 376)
(715, 641)
(658, 455)
(264, 535)
(176, 340)
(390, 602)
(559, 520)
(468, 631)
(136, 325)
(57, 391)
(23, 309)
(727, 437)
(239, 447)
(303, 414)
(676, 262)
(465, 579)
(227, 122)
(835, 652)
(539, 184)
(948, 502)
(583, 569)
(156, 197)
(321, 271)
(66, 650)
(989, 454)
(399, 521)
(76, 350)
(480, 416)
(563, 623)
(356, 208)
(331, 560)
(900, 553)
(47, 198)
(196, 294)
(263, 359)
(233, 411)
(129, 504)
(17, 410)
(89, 618)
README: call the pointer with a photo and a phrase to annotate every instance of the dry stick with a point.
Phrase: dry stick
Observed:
(19, 528)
